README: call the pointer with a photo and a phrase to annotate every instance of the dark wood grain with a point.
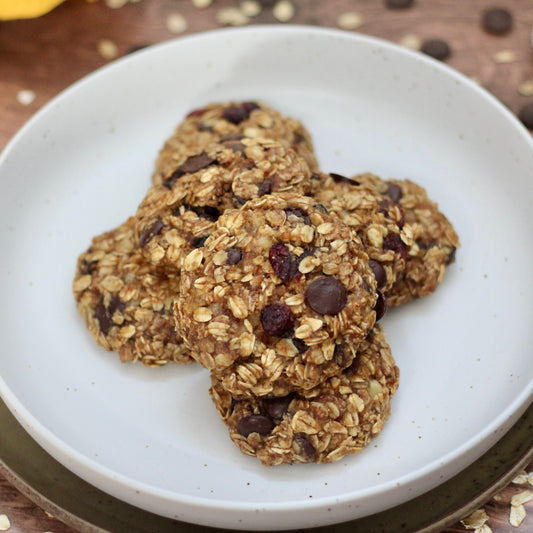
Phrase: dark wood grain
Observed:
(47, 54)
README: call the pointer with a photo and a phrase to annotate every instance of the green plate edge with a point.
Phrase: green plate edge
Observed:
(89, 510)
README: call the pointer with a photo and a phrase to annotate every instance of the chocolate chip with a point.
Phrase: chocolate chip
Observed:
(436, 48)
(198, 242)
(87, 267)
(394, 242)
(104, 320)
(322, 208)
(235, 256)
(525, 115)
(394, 192)
(116, 304)
(255, 424)
(236, 147)
(341, 356)
(265, 187)
(381, 306)
(353, 368)
(326, 295)
(300, 345)
(284, 262)
(339, 178)
(238, 113)
(149, 233)
(398, 4)
(497, 20)
(306, 447)
(275, 408)
(379, 272)
(203, 211)
(136, 48)
(298, 212)
(277, 319)
(194, 163)
(231, 137)
(239, 201)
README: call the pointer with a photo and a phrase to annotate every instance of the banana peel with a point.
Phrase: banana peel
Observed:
(25, 9)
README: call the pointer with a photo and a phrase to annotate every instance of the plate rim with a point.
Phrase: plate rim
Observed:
(33, 425)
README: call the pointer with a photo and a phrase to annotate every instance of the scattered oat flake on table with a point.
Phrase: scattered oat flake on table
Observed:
(504, 56)
(231, 16)
(517, 515)
(411, 41)
(25, 96)
(5, 524)
(250, 8)
(476, 520)
(107, 49)
(176, 23)
(526, 88)
(283, 10)
(115, 4)
(350, 20)
(201, 4)
(522, 497)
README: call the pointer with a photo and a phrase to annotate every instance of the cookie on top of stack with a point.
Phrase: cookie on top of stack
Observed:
(273, 275)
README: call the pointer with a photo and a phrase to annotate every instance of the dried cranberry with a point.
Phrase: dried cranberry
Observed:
(394, 192)
(104, 319)
(277, 319)
(196, 112)
(265, 187)
(306, 447)
(298, 212)
(340, 355)
(284, 262)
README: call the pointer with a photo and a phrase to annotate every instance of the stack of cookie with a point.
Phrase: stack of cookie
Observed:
(246, 258)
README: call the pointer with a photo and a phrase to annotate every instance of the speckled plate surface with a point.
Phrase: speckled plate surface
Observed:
(89, 510)
(152, 437)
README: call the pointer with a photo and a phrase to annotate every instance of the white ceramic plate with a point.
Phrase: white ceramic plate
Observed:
(151, 437)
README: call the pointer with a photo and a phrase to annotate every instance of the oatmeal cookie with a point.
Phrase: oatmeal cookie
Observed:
(231, 121)
(377, 219)
(434, 240)
(126, 302)
(323, 424)
(178, 214)
(278, 298)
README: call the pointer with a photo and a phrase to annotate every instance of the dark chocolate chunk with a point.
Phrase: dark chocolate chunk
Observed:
(381, 306)
(235, 255)
(437, 49)
(379, 272)
(394, 242)
(339, 178)
(194, 163)
(354, 366)
(399, 4)
(394, 192)
(149, 233)
(103, 317)
(341, 355)
(300, 345)
(87, 267)
(198, 242)
(116, 304)
(238, 113)
(298, 212)
(326, 295)
(306, 447)
(204, 211)
(275, 408)
(265, 187)
(277, 319)
(255, 424)
(497, 20)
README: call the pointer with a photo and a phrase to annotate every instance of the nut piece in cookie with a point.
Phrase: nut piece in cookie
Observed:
(434, 240)
(126, 302)
(378, 220)
(231, 121)
(323, 424)
(278, 298)
(177, 215)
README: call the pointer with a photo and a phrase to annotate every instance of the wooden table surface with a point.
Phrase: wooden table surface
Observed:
(40, 57)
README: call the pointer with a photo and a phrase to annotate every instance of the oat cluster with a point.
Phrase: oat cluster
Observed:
(246, 258)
